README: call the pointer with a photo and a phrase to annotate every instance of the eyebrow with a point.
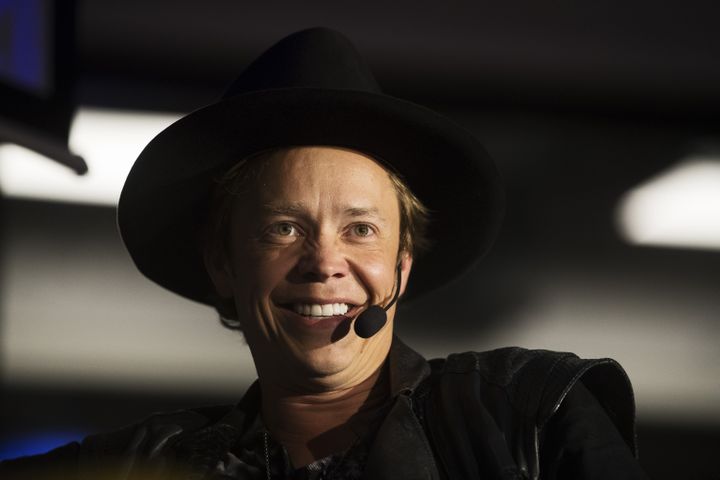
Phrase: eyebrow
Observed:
(290, 209)
(364, 212)
(299, 209)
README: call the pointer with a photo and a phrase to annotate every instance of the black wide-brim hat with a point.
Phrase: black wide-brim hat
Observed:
(311, 88)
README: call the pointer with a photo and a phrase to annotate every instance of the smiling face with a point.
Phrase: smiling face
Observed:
(313, 242)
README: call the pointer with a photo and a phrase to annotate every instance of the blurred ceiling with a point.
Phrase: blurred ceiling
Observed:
(641, 57)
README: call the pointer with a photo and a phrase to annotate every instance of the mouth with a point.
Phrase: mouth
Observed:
(321, 309)
(325, 314)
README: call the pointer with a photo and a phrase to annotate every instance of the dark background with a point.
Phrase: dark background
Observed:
(577, 101)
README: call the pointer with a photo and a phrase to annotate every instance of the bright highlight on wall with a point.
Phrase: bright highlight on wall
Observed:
(108, 140)
(679, 207)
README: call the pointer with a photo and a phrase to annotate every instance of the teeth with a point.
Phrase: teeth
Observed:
(316, 310)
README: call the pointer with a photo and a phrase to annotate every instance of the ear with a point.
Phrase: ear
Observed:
(218, 268)
(406, 261)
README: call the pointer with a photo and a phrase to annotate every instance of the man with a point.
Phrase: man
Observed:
(297, 206)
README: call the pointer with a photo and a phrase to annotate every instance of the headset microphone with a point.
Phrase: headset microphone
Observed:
(369, 322)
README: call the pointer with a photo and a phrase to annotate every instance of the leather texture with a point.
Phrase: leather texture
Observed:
(485, 411)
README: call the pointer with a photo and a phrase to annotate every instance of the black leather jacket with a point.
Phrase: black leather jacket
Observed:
(489, 415)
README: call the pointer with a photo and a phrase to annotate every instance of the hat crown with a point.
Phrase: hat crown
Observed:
(313, 58)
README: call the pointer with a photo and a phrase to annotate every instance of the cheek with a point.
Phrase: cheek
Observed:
(377, 273)
(258, 273)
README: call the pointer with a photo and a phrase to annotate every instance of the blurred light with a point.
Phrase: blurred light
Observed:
(33, 444)
(109, 140)
(679, 207)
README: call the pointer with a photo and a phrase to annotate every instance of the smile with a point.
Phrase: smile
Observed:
(321, 310)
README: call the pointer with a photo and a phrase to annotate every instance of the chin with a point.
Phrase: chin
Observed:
(329, 358)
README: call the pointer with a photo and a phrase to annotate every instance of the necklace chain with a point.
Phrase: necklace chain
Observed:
(267, 455)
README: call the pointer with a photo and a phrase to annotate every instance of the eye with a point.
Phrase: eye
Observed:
(362, 230)
(283, 230)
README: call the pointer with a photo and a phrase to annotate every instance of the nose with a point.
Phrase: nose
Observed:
(322, 260)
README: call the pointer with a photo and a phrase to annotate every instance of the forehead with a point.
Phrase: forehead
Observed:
(324, 177)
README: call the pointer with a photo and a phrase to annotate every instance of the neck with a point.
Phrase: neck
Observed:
(314, 425)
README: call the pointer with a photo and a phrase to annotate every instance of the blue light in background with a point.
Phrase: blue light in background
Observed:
(24, 33)
(33, 444)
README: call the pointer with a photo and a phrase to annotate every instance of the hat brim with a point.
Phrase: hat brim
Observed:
(166, 196)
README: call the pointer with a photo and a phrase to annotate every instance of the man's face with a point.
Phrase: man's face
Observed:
(313, 242)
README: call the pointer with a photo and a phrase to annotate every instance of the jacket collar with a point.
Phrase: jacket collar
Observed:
(407, 368)
(401, 436)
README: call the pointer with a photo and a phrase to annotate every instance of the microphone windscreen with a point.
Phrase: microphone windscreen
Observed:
(369, 322)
